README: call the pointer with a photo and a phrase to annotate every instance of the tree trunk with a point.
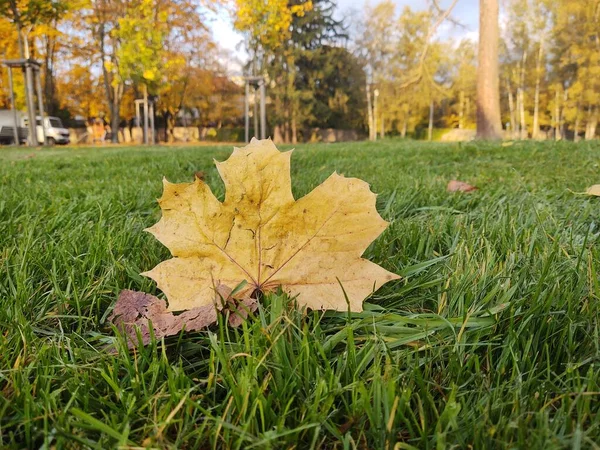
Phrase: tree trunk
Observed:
(113, 94)
(563, 121)
(576, 126)
(588, 122)
(51, 102)
(592, 124)
(523, 126)
(430, 130)
(293, 100)
(146, 130)
(277, 134)
(556, 116)
(170, 126)
(535, 132)
(521, 113)
(369, 110)
(517, 109)
(405, 126)
(294, 129)
(375, 113)
(286, 131)
(461, 110)
(488, 86)
(115, 112)
(511, 107)
(468, 108)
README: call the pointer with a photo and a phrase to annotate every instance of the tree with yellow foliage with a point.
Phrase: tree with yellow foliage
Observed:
(268, 27)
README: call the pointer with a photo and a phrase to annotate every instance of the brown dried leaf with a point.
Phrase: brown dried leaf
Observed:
(460, 186)
(134, 310)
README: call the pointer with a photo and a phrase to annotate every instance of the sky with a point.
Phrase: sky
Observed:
(466, 12)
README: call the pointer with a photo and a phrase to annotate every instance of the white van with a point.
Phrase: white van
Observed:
(56, 133)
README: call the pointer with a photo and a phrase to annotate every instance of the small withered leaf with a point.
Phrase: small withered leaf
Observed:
(135, 310)
(460, 186)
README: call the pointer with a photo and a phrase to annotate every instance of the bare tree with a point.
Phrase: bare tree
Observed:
(488, 85)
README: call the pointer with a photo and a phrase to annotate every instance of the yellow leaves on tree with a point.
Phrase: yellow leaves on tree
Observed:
(142, 32)
(268, 21)
(260, 235)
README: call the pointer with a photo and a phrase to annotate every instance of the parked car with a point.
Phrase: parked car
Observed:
(56, 133)
(7, 125)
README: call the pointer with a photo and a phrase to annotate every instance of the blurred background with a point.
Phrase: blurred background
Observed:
(179, 71)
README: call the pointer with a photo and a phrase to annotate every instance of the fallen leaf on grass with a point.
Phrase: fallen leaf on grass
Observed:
(460, 186)
(201, 175)
(134, 311)
(593, 190)
(260, 235)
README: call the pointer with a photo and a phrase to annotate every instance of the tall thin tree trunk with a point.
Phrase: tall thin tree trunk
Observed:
(16, 13)
(430, 132)
(556, 116)
(588, 122)
(290, 134)
(115, 112)
(369, 110)
(468, 108)
(286, 126)
(563, 121)
(522, 97)
(294, 129)
(535, 132)
(522, 124)
(576, 126)
(375, 113)
(461, 110)
(49, 82)
(593, 123)
(113, 93)
(488, 85)
(146, 110)
(278, 133)
(511, 108)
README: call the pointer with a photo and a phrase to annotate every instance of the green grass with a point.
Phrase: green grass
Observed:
(491, 340)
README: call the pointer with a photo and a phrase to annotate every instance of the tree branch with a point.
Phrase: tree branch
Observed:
(420, 69)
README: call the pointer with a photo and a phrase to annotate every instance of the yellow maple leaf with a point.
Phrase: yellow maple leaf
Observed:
(311, 247)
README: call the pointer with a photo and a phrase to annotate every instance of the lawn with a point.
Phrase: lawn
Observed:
(491, 339)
